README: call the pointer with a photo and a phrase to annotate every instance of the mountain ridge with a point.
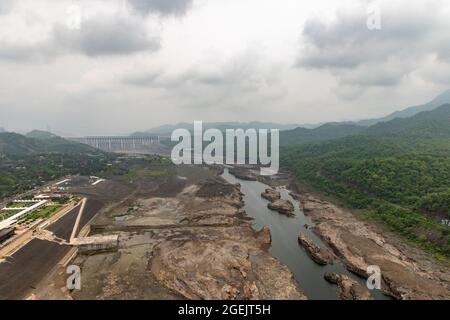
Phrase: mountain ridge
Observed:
(21, 145)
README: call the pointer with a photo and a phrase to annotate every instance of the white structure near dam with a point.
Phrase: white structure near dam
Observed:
(144, 145)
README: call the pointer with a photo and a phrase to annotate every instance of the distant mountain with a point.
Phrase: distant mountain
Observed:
(168, 129)
(17, 144)
(325, 132)
(434, 123)
(39, 142)
(440, 100)
(39, 134)
(2, 129)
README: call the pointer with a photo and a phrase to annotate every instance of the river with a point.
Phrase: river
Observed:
(285, 247)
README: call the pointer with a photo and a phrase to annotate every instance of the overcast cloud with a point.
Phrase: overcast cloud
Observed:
(85, 67)
(162, 7)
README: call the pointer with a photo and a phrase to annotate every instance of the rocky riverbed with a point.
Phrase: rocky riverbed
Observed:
(348, 288)
(407, 272)
(194, 244)
(319, 255)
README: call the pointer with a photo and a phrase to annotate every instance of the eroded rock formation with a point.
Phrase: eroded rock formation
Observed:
(318, 255)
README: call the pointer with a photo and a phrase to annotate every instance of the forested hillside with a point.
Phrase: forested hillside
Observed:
(27, 162)
(325, 132)
(14, 144)
(397, 172)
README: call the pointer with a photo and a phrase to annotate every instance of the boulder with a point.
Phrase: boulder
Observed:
(318, 255)
(282, 206)
(348, 288)
(242, 174)
(265, 236)
(271, 195)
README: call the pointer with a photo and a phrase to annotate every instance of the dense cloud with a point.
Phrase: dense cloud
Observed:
(133, 64)
(359, 56)
(42, 51)
(106, 36)
(246, 73)
(162, 7)
(6, 6)
(103, 36)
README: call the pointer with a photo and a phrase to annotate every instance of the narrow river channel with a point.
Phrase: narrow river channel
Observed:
(285, 247)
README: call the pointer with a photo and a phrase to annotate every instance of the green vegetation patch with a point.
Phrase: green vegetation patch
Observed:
(43, 213)
(14, 205)
(6, 214)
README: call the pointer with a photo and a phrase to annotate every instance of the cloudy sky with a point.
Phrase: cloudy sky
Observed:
(89, 67)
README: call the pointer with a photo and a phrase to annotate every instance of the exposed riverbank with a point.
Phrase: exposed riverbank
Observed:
(188, 239)
(194, 236)
(285, 230)
(407, 271)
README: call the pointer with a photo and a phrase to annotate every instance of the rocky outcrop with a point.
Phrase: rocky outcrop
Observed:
(242, 174)
(407, 273)
(271, 195)
(226, 269)
(282, 206)
(318, 255)
(348, 289)
(265, 236)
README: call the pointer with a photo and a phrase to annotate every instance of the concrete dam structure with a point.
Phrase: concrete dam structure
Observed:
(132, 145)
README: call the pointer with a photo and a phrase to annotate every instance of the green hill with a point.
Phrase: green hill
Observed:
(41, 135)
(27, 162)
(427, 123)
(17, 144)
(14, 144)
(325, 132)
(396, 172)
(440, 100)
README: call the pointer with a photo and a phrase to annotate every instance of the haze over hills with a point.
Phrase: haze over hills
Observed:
(168, 129)
(433, 123)
(305, 133)
(41, 135)
(440, 100)
(325, 132)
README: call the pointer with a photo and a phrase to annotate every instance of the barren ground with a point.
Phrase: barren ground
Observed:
(181, 237)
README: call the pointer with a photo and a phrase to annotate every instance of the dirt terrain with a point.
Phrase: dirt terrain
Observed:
(180, 237)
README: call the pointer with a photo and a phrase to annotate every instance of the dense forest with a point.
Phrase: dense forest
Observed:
(397, 172)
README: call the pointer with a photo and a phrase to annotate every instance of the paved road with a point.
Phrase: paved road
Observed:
(64, 226)
(29, 265)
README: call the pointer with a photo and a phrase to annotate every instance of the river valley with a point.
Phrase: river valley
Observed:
(285, 247)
